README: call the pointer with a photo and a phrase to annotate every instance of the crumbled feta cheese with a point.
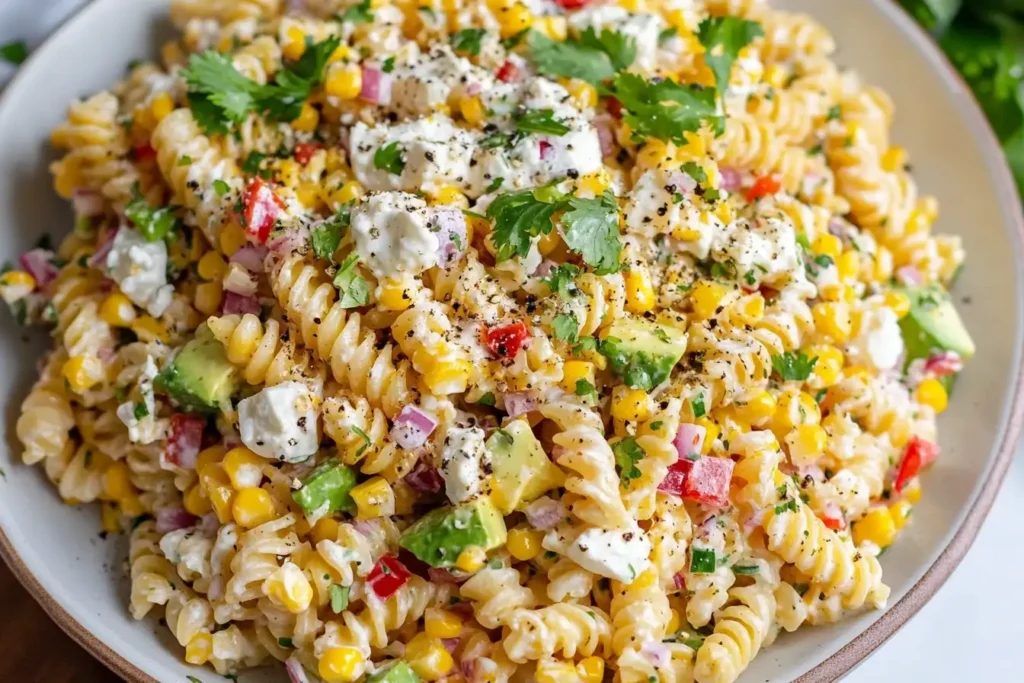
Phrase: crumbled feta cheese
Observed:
(620, 554)
(763, 251)
(188, 548)
(435, 152)
(652, 209)
(280, 422)
(140, 418)
(880, 343)
(465, 463)
(140, 269)
(424, 81)
(644, 28)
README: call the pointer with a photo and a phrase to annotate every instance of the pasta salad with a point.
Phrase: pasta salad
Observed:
(509, 340)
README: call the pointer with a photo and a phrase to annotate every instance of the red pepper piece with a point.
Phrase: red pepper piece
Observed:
(387, 577)
(506, 340)
(262, 208)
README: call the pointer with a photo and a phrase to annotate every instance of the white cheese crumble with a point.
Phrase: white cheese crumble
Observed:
(425, 81)
(653, 209)
(879, 343)
(465, 463)
(188, 548)
(763, 251)
(140, 419)
(620, 554)
(140, 269)
(279, 422)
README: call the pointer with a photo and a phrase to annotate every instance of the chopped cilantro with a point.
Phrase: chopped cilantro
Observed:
(518, 218)
(358, 14)
(562, 281)
(667, 34)
(723, 38)
(664, 109)
(389, 158)
(627, 454)
(325, 238)
(585, 344)
(185, 160)
(801, 239)
(591, 228)
(585, 388)
(468, 40)
(792, 366)
(620, 48)
(568, 59)
(565, 327)
(388, 65)
(153, 224)
(221, 187)
(487, 400)
(284, 642)
(140, 410)
(251, 165)
(339, 598)
(695, 171)
(355, 291)
(789, 505)
(834, 112)
(14, 52)
(366, 440)
(540, 121)
(495, 184)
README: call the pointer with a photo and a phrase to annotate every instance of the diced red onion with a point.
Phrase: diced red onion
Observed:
(296, 672)
(87, 203)
(172, 519)
(412, 427)
(289, 241)
(366, 526)
(107, 354)
(604, 123)
(544, 269)
(909, 276)
(814, 471)
(519, 403)
(730, 179)
(450, 644)
(250, 257)
(708, 526)
(944, 363)
(443, 576)
(474, 88)
(546, 149)
(684, 182)
(656, 653)
(39, 264)
(680, 581)
(99, 258)
(376, 85)
(689, 439)
(184, 442)
(839, 228)
(544, 513)
(451, 235)
(557, 452)
(424, 477)
(209, 524)
(754, 521)
(469, 668)
(236, 303)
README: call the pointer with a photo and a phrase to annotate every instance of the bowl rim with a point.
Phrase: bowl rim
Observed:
(895, 617)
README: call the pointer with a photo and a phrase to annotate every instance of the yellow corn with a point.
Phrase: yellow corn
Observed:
(394, 296)
(684, 234)
(117, 310)
(524, 543)
(19, 279)
(288, 587)
(253, 506)
(912, 494)
(827, 244)
(349, 193)
(554, 671)
(307, 119)
(829, 364)
(900, 513)
(595, 183)
(295, 43)
(199, 649)
(514, 19)
(898, 302)
(344, 81)
(706, 296)
(758, 408)
(894, 158)
(374, 498)
(776, 75)
(471, 559)
(208, 297)
(243, 467)
(711, 429)
(583, 93)
(883, 264)
(575, 370)
(591, 670)
(340, 665)
(209, 456)
(806, 444)
(753, 308)
(448, 376)
(232, 237)
(212, 266)
(832, 318)
(82, 372)
(442, 624)
(553, 26)
(655, 153)
(195, 502)
(472, 110)
(848, 265)
(110, 518)
(877, 527)
(116, 482)
(639, 292)
(326, 529)
(674, 621)
(149, 329)
(131, 506)
(428, 657)
(630, 404)
(548, 243)
(451, 196)
(161, 106)
(930, 392)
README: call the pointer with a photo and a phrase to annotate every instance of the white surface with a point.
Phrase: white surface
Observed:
(964, 633)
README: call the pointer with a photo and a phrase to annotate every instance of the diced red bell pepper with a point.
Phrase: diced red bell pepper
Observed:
(262, 208)
(704, 480)
(943, 364)
(387, 577)
(832, 516)
(185, 440)
(614, 107)
(917, 455)
(509, 73)
(304, 151)
(675, 480)
(506, 340)
(572, 4)
(143, 152)
(764, 186)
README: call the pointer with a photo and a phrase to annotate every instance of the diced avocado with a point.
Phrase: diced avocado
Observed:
(326, 489)
(399, 672)
(522, 471)
(200, 377)
(441, 535)
(642, 353)
(933, 324)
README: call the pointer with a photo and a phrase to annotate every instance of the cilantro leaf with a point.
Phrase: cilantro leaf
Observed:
(540, 121)
(794, 366)
(339, 598)
(14, 52)
(723, 38)
(627, 454)
(591, 228)
(518, 218)
(358, 14)
(561, 281)
(495, 184)
(355, 291)
(568, 59)
(325, 238)
(566, 327)
(208, 116)
(213, 76)
(620, 48)
(585, 388)
(221, 187)
(487, 399)
(468, 40)
(389, 158)
(153, 224)
(666, 109)
(695, 171)
(251, 165)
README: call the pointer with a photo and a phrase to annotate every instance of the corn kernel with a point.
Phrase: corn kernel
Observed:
(554, 27)
(344, 81)
(195, 502)
(471, 559)
(208, 297)
(374, 498)
(912, 494)
(524, 543)
(752, 308)
(832, 318)
(288, 587)
(307, 119)
(199, 649)
(806, 444)
(574, 371)
(428, 657)
(684, 234)
(630, 404)
(583, 93)
(340, 665)
(472, 110)
(711, 432)
(442, 624)
(829, 364)
(894, 158)
(243, 467)
(149, 329)
(116, 481)
(19, 279)
(848, 265)
(131, 506)
(656, 153)
(450, 195)
(394, 296)
(930, 392)
(898, 302)
(554, 671)
(549, 243)
(639, 292)
(232, 237)
(876, 526)
(349, 193)
(591, 670)
(674, 621)
(757, 409)
(253, 507)
(706, 297)
(594, 183)
(827, 244)
(295, 45)
(448, 376)
(514, 19)
(82, 372)
(161, 106)
(900, 513)
(776, 75)
(117, 310)
(110, 518)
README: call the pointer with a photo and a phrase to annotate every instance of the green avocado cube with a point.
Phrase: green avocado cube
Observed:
(200, 377)
(326, 489)
(933, 324)
(522, 470)
(440, 536)
(398, 672)
(642, 353)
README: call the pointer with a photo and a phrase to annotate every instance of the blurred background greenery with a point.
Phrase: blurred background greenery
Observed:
(985, 40)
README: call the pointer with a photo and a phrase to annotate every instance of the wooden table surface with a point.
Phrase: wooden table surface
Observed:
(33, 649)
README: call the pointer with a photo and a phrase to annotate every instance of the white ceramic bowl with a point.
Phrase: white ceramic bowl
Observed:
(79, 579)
